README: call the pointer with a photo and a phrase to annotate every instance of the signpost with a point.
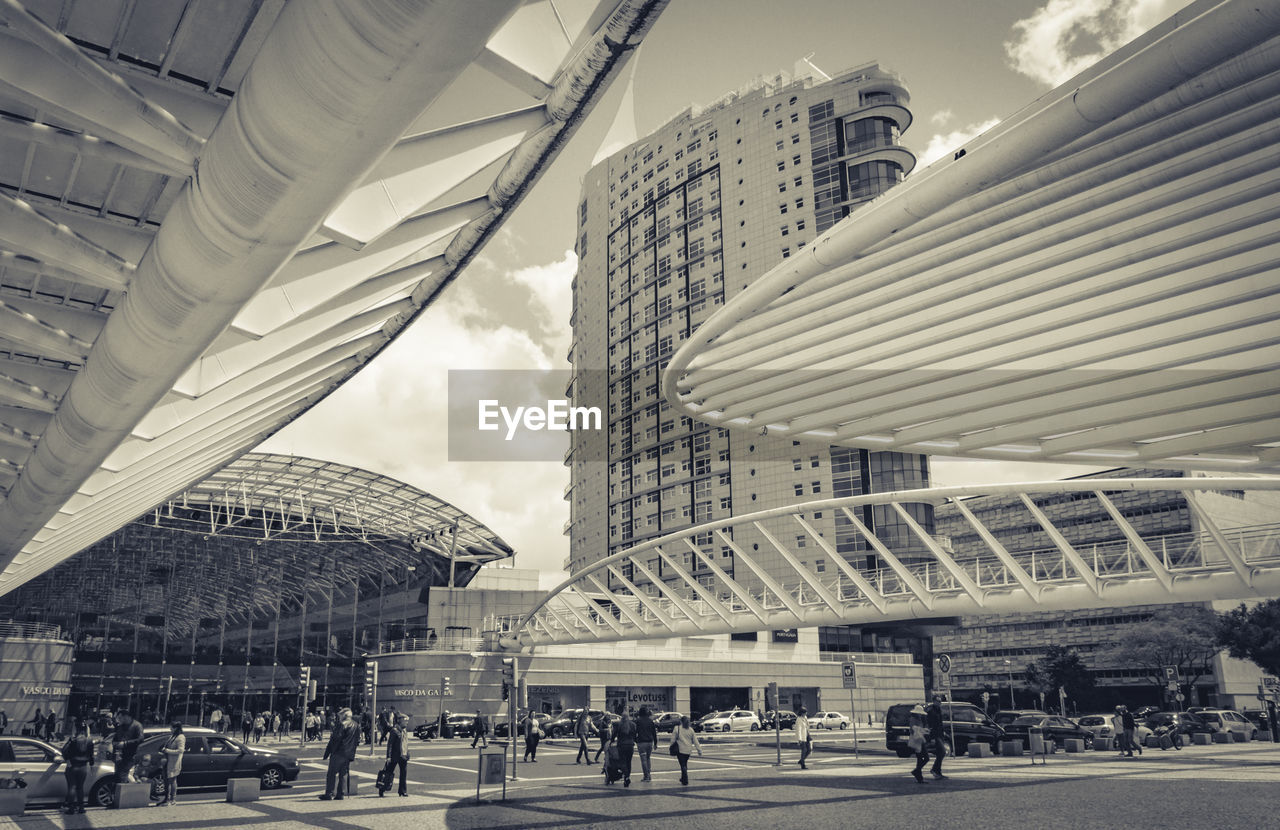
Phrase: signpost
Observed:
(850, 672)
(777, 719)
(509, 672)
(942, 681)
(491, 771)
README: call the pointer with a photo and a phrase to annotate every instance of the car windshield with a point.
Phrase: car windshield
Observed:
(1092, 721)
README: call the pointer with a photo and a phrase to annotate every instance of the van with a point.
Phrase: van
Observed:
(967, 722)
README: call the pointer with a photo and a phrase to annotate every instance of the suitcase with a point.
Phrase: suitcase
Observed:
(385, 776)
(612, 765)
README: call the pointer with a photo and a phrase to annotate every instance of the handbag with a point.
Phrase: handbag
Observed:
(675, 744)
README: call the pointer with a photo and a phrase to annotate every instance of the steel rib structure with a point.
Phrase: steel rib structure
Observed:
(211, 214)
(1211, 562)
(1093, 281)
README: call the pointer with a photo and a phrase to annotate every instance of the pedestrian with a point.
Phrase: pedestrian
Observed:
(4, 720)
(532, 734)
(683, 742)
(605, 732)
(215, 719)
(398, 751)
(340, 752)
(917, 742)
(480, 731)
(384, 726)
(275, 725)
(246, 724)
(583, 730)
(646, 737)
(172, 754)
(37, 724)
(624, 740)
(124, 745)
(51, 727)
(937, 732)
(259, 725)
(78, 753)
(1130, 726)
(803, 736)
(366, 726)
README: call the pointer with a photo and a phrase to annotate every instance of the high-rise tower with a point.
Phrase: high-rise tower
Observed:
(668, 230)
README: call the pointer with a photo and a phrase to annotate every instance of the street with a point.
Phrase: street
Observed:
(735, 784)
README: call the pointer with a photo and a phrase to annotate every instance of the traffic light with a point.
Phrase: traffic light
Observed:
(446, 686)
(304, 678)
(313, 690)
(506, 690)
(509, 670)
(370, 679)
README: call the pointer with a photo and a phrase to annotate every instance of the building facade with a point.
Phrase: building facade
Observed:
(670, 229)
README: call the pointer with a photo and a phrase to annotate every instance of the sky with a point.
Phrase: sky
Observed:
(967, 65)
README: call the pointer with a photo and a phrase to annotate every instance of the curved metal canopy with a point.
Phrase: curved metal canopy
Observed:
(213, 213)
(1096, 280)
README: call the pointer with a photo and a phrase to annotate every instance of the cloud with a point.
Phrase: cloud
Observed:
(942, 144)
(941, 117)
(1064, 37)
(391, 418)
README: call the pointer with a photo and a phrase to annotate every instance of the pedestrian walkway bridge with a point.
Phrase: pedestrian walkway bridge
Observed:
(759, 571)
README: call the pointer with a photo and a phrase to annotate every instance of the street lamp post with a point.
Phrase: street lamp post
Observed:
(1008, 666)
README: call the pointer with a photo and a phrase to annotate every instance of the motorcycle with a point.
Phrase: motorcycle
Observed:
(1168, 735)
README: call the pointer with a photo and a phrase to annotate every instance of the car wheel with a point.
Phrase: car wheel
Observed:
(727, 728)
(755, 727)
(104, 793)
(272, 777)
(844, 725)
(962, 747)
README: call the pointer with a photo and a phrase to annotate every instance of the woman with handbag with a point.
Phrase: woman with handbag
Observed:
(683, 743)
(532, 734)
(917, 743)
(172, 754)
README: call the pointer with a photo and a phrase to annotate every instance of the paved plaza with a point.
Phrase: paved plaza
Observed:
(736, 785)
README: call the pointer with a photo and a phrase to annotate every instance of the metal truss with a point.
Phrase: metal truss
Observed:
(213, 214)
(759, 571)
(1092, 281)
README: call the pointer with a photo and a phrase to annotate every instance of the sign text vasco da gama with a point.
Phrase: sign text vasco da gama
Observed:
(419, 693)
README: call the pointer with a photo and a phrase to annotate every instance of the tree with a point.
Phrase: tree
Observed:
(1253, 634)
(1184, 636)
(1061, 668)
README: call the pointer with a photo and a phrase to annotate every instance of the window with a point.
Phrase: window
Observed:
(782, 208)
(800, 226)
(777, 125)
(786, 252)
(795, 139)
(813, 462)
(784, 230)
(782, 165)
(800, 541)
(799, 488)
(817, 486)
(800, 202)
(778, 145)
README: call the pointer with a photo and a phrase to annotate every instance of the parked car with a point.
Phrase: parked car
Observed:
(968, 722)
(1187, 724)
(562, 725)
(1055, 728)
(666, 721)
(1107, 726)
(829, 720)
(787, 720)
(1258, 717)
(456, 726)
(500, 728)
(41, 766)
(211, 759)
(733, 720)
(1229, 720)
(1008, 716)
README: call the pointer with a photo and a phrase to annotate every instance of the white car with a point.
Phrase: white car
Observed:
(1107, 726)
(829, 720)
(737, 720)
(41, 766)
(1229, 720)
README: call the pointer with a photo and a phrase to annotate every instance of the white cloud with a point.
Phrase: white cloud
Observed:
(391, 418)
(1064, 37)
(941, 117)
(942, 144)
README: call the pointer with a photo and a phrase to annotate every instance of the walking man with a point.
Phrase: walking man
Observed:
(936, 735)
(124, 744)
(340, 752)
(397, 740)
(582, 731)
(646, 737)
(802, 735)
(480, 732)
(1130, 726)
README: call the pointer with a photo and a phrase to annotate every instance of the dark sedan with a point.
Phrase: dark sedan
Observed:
(211, 759)
(562, 725)
(456, 726)
(1057, 729)
(666, 721)
(500, 728)
(786, 720)
(1186, 723)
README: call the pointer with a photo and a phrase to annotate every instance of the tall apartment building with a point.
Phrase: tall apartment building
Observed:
(671, 228)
